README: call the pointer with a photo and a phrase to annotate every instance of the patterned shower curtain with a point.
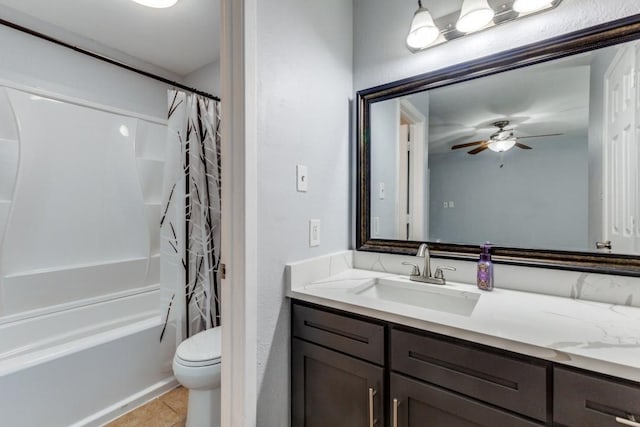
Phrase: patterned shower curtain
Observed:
(190, 224)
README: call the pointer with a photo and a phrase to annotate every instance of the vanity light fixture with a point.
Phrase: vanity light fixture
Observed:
(528, 6)
(474, 15)
(423, 31)
(157, 4)
(428, 30)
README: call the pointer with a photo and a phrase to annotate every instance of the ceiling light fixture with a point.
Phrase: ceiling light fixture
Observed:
(528, 6)
(423, 32)
(474, 15)
(157, 4)
(501, 145)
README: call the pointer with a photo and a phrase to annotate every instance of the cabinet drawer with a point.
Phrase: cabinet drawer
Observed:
(500, 380)
(417, 404)
(355, 337)
(588, 401)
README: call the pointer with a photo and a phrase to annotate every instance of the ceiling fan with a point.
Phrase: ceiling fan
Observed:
(500, 141)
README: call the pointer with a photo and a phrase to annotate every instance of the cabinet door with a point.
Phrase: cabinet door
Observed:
(418, 404)
(590, 401)
(331, 389)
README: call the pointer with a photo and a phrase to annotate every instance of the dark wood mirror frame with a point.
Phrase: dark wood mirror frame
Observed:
(615, 32)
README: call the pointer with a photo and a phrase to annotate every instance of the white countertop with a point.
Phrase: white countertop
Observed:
(590, 335)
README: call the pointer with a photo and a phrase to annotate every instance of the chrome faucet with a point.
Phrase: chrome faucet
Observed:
(426, 277)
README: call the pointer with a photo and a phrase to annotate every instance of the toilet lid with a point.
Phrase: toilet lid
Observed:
(204, 348)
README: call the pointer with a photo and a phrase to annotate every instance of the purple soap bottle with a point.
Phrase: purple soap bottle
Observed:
(485, 268)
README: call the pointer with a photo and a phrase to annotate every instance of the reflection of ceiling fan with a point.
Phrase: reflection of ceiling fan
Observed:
(500, 141)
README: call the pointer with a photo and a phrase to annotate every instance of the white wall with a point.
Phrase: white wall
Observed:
(599, 67)
(381, 26)
(304, 92)
(206, 78)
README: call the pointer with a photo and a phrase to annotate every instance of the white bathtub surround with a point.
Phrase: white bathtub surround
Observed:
(103, 356)
(191, 282)
(603, 337)
(80, 190)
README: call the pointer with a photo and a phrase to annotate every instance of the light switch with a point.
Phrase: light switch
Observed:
(302, 178)
(314, 232)
(446, 205)
(381, 191)
(450, 204)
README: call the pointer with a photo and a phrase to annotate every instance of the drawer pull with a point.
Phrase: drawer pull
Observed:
(627, 422)
(396, 403)
(372, 393)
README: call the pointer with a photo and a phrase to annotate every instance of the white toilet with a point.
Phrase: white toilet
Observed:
(196, 366)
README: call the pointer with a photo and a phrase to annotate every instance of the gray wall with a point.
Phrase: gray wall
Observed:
(304, 95)
(38, 63)
(538, 198)
(206, 78)
(385, 122)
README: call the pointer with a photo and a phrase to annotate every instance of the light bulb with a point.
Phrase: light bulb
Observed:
(527, 6)
(474, 15)
(158, 4)
(423, 31)
(500, 146)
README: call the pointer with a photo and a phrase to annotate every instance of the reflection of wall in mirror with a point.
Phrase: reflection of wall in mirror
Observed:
(537, 199)
(390, 187)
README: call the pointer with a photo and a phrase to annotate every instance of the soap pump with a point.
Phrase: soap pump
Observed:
(485, 268)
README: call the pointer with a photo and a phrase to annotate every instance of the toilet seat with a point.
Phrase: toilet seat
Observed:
(202, 349)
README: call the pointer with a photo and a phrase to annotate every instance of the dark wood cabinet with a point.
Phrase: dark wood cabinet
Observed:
(592, 401)
(332, 389)
(344, 366)
(418, 404)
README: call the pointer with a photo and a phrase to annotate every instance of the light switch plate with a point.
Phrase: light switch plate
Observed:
(302, 178)
(314, 233)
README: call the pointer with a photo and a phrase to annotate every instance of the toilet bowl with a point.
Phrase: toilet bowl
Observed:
(196, 366)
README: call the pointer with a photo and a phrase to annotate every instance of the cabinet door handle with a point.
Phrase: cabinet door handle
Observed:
(627, 422)
(372, 393)
(396, 403)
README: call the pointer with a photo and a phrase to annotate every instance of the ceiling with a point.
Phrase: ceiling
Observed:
(547, 98)
(179, 39)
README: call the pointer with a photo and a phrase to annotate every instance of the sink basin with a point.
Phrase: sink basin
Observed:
(432, 297)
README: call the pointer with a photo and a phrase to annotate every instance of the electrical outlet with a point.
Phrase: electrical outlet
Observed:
(314, 233)
(445, 205)
(450, 204)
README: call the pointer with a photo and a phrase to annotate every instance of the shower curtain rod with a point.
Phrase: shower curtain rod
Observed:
(105, 58)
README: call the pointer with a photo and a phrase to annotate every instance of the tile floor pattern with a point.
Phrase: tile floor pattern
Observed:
(168, 410)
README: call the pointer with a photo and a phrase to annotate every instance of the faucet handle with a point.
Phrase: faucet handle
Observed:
(415, 271)
(439, 271)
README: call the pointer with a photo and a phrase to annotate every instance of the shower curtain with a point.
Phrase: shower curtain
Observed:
(190, 222)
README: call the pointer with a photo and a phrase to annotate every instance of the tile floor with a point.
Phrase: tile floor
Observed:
(168, 410)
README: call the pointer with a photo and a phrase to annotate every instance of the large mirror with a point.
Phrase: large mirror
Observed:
(535, 151)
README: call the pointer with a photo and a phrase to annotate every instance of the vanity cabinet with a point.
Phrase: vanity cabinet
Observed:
(350, 371)
(337, 372)
(594, 401)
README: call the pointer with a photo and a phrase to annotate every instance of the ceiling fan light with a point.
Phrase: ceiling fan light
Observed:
(157, 4)
(528, 6)
(423, 31)
(474, 15)
(502, 146)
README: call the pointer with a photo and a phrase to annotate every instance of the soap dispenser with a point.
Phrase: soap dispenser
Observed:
(485, 268)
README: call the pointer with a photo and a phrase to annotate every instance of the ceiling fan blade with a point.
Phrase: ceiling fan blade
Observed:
(524, 147)
(539, 136)
(468, 144)
(479, 149)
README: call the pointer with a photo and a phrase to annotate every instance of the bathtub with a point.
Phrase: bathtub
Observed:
(84, 363)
